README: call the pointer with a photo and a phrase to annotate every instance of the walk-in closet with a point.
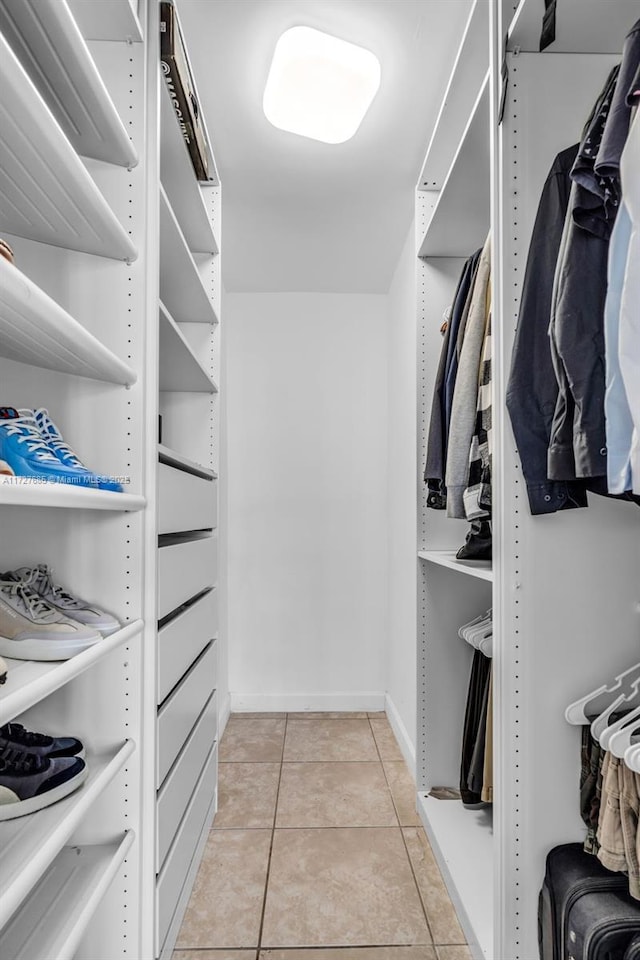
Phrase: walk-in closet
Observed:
(319, 494)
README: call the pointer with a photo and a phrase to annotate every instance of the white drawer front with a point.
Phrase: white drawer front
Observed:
(177, 716)
(184, 570)
(183, 639)
(177, 789)
(176, 866)
(185, 502)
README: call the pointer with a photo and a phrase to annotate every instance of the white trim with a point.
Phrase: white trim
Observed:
(223, 715)
(297, 703)
(402, 735)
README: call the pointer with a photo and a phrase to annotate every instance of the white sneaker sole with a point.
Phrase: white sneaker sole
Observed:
(22, 808)
(34, 649)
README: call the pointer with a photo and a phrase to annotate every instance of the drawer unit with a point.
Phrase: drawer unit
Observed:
(176, 866)
(183, 639)
(173, 798)
(185, 569)
(178, 714)
(185, 502)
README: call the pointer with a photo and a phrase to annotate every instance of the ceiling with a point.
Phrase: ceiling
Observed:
(299, 215)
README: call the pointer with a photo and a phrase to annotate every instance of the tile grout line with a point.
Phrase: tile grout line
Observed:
(404, 843)
(273, 834)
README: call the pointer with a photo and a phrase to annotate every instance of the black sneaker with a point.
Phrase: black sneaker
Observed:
(29, 782)
(15, 737)
(478, 543)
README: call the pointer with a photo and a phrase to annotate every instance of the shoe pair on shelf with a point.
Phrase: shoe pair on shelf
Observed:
(40, 620)
(478, 543)
(36, 770)
(32, 446)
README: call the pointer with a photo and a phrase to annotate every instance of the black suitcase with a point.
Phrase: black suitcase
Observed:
(633, 950)
(570, 875)
(600, 926)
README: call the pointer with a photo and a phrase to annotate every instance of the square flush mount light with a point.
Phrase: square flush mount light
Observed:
(319, 86)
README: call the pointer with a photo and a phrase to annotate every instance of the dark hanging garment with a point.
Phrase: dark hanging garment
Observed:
(548, 34)
(472, 761)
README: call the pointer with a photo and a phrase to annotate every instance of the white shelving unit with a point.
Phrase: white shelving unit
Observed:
(21, 492)
(182, 288)
(447, 558)
(34, 329)
(548, 628)
(108, 19)
(180, 369)
(51, 48)
(166, 455)
(46, 193)
(85, 874)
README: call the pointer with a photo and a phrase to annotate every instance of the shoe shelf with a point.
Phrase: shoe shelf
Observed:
(582, 26)
(107, 19)
(29, 681)
(181, 286)
(459, 837)
(48, 927)
(34, 329)
(30, 844)
(465, 194)
(173, 459)
(49, 45)
(23, 492)
(469, 69)
(179, 368)
(179, 181)
(481, 569)
(46, 194)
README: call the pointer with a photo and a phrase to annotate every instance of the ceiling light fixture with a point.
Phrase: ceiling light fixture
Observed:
(319, 86)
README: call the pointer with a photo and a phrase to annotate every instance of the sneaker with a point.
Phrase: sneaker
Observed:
(478, 542)
(13, 736)
(25, 453)
(63, 451)
(29, 782)
(31, 629)
(41, 580)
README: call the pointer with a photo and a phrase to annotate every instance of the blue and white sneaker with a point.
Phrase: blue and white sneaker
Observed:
(63, 451)
(29, 782)
(24, 452)
(13, 736)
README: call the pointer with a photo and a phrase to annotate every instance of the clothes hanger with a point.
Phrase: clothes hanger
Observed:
(620, 739)
(603, 700)
(603, 731)
(632, 757)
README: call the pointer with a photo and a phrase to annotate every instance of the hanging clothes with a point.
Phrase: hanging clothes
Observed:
(477, 496)
(465, 396)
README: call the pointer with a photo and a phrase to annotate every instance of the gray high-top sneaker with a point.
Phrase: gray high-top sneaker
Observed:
(29, 782)
(40, 579)
(31, 629)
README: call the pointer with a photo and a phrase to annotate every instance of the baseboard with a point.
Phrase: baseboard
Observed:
(299, 702)
(223, 716)
(402, 735)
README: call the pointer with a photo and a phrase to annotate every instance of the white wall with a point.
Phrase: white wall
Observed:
(402, 501)
(306, 381)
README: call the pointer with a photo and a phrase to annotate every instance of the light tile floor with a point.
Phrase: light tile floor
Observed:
(317, 852)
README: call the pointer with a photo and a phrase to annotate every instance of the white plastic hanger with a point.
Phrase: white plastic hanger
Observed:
(632, 757)
(604, 700)
(618, 737)
(605, 731)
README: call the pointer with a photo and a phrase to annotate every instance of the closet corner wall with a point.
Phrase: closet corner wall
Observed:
(564, 587)
(109, 318)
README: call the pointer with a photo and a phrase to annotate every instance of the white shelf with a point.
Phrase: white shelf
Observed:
(462, 842)
(50, 927)
(173, 459)
(481, 569)
(180, 369)
(582, 26)
(46, 193)
(19, 492)
(107, 19)
(181, 286)
(29, 681)
(469, 69)
(51, 48)
(29, 844)
(459, 221)
(179, 181)
(34, 329)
